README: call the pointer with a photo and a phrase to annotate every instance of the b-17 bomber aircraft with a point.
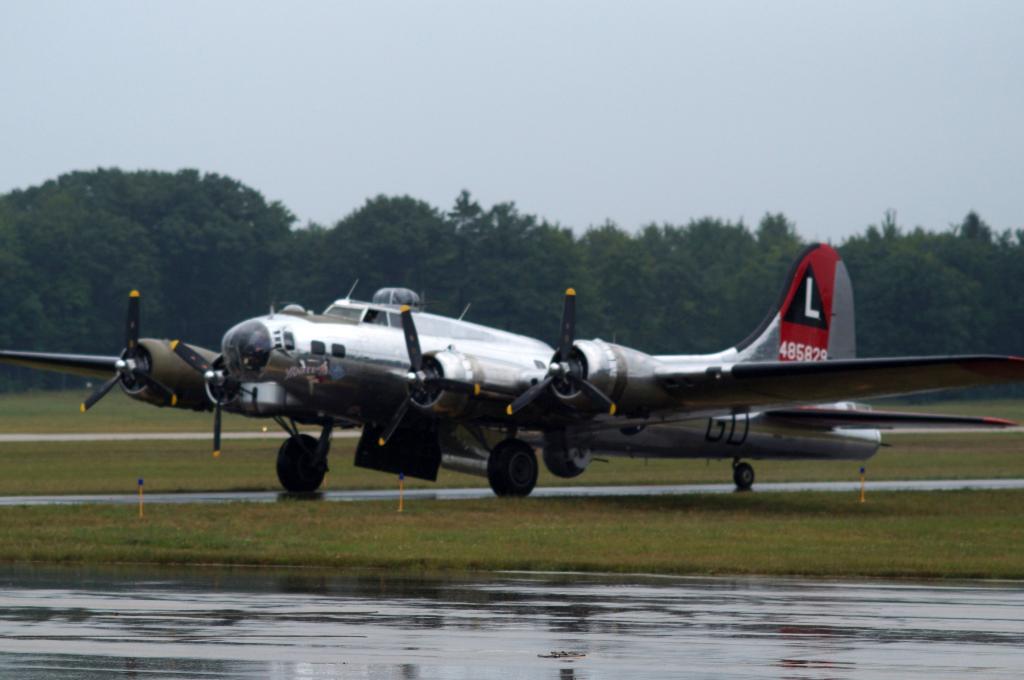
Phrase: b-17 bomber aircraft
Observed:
(431, 391)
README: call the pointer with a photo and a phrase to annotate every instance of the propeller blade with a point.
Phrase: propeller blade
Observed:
(216, 429)
(131, 332)
(396, 420)
(100, 392)
(190, 356)
(450, 385)
(568, 329)
(156, 386)
(527, 397)
(595, 395)
(412, 340)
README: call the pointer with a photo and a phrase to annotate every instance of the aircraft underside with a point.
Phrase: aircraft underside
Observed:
(511, 462)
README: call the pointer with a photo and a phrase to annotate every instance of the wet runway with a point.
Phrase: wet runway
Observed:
(539, 492)
(134, 623)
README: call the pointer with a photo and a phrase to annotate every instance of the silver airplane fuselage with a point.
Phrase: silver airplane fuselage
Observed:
(350, 363)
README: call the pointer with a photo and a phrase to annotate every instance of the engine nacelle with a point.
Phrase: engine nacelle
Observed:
(625, 375)
(490, 375)
(164, 366)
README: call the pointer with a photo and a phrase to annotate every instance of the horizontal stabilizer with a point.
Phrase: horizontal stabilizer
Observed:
(762, 385)
(827, 418)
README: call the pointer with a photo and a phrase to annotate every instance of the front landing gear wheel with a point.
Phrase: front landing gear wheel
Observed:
(743, 475)
(299, 467)
(512, 468)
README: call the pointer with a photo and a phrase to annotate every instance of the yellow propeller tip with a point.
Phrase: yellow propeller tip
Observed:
(406, 308)
(174, 400)
(476, 390)
(570, 291)
(381, 442)
(216, 454)
(508, 409)
(174, 344)
(134, 293)
(81, 407)
(612, 409)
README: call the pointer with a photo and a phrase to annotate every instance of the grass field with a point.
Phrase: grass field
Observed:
(936, 534)
(58, 411)
(114, 467)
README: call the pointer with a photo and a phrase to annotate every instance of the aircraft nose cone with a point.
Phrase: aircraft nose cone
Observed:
(246, 349)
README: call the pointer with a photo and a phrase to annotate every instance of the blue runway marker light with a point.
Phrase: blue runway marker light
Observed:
(861, 471)
(140, 481)
(140, 498)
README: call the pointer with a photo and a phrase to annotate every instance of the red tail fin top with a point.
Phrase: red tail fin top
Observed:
(806, 310)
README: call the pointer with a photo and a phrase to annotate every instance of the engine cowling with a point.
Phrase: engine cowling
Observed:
(164, 366)
(623, 374)
(490, 375)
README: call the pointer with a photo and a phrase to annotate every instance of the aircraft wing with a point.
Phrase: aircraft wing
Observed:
(828, 418)
(756, 385)
(87, 365)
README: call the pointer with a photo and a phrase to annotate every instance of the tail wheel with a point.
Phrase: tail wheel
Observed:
(512, 468)
(743, 475)
(298, 468)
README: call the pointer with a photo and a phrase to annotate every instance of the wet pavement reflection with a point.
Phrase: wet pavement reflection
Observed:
(217, 622)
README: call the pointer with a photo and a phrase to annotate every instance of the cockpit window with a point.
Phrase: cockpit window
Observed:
(345, 313)
(376, 316)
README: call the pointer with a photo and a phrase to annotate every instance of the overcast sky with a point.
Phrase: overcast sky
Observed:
(831, 112)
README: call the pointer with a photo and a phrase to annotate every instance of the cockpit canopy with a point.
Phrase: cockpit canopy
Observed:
(397, 297)
(382, 311)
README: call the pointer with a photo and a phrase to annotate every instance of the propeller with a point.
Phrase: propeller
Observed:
(132, 368)
(564, 374)
(221, 384)
(423, 377)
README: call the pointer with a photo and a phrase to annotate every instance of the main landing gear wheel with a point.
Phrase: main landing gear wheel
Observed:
(512, 468)
(299, 467)
(743, 475)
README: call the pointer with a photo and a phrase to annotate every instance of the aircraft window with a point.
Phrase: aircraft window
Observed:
(348, 314)
(289, 340)
(395, 320)
(247, 348)
(338, 351)
(317, 347)
(375, 316)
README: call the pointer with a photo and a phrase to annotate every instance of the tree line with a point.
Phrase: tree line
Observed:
(207, 251)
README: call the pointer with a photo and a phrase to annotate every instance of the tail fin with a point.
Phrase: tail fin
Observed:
(813, 319)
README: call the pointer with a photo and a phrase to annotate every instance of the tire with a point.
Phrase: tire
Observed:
(297, 467)
(560, 466)
(561, 460)
(512, 468)
(743, 475)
